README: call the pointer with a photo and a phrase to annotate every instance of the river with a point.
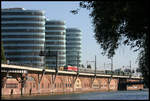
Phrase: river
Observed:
(119, 95)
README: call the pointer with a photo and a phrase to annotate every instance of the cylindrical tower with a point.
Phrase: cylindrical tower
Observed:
(73, 47)
(23, 36)
(55, 43)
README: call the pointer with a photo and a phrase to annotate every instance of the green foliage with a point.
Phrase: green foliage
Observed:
(3, 58)
(89, 66)
(144, 61)
(121, 21)
(138, 70)
(82, 66)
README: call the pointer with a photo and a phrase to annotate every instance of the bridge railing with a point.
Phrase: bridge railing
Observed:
(87, 73)
(105, 72)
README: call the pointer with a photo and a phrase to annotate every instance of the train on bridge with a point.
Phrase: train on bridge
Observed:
(86, 70)
(69, 68)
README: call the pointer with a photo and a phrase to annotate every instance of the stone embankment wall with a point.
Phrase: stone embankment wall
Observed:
(36, 83)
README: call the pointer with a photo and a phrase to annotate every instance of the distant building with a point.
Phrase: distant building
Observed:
(25, 33)
(23, 36)
(73, 46)
(55, 37)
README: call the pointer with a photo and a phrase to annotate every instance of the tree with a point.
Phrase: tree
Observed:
(82, 66)
(121, 22)
(133, 71)
(89, 66)
(127, 70)
(138, 70)
(3, 58)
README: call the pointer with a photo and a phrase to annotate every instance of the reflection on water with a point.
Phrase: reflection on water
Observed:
(119, 95)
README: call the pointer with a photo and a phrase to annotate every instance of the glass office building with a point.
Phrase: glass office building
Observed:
(55, 43)
(23, 36)
(73, 46)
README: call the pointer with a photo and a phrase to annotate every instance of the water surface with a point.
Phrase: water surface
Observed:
(119, 95)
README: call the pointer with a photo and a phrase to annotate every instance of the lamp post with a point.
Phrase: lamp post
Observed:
(43, 53)
(111, 66)
(95, 64)
(77, 62)
(54, 54)
(130, 73)
(130, 69)
(56, 61)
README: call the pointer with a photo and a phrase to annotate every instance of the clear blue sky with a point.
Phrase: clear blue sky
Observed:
(61, 11)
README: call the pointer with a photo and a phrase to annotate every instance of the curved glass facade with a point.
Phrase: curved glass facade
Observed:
(73, 46)
(55, 42)
(23, 36)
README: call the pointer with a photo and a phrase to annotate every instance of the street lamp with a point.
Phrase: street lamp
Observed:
(111, 64)
(54, 54)
(43, 53)
(77, 62)
(95, 64)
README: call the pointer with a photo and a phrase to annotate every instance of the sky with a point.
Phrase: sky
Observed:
(56, 10)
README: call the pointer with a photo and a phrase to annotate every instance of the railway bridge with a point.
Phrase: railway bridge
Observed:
(27, 80)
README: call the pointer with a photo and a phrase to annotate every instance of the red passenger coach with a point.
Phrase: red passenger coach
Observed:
(71, 68)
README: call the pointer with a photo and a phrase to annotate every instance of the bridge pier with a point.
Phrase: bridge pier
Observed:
(40, 78)
(22, 81)
(121, 84)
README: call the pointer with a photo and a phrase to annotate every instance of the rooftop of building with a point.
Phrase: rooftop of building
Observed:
(19, 9)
